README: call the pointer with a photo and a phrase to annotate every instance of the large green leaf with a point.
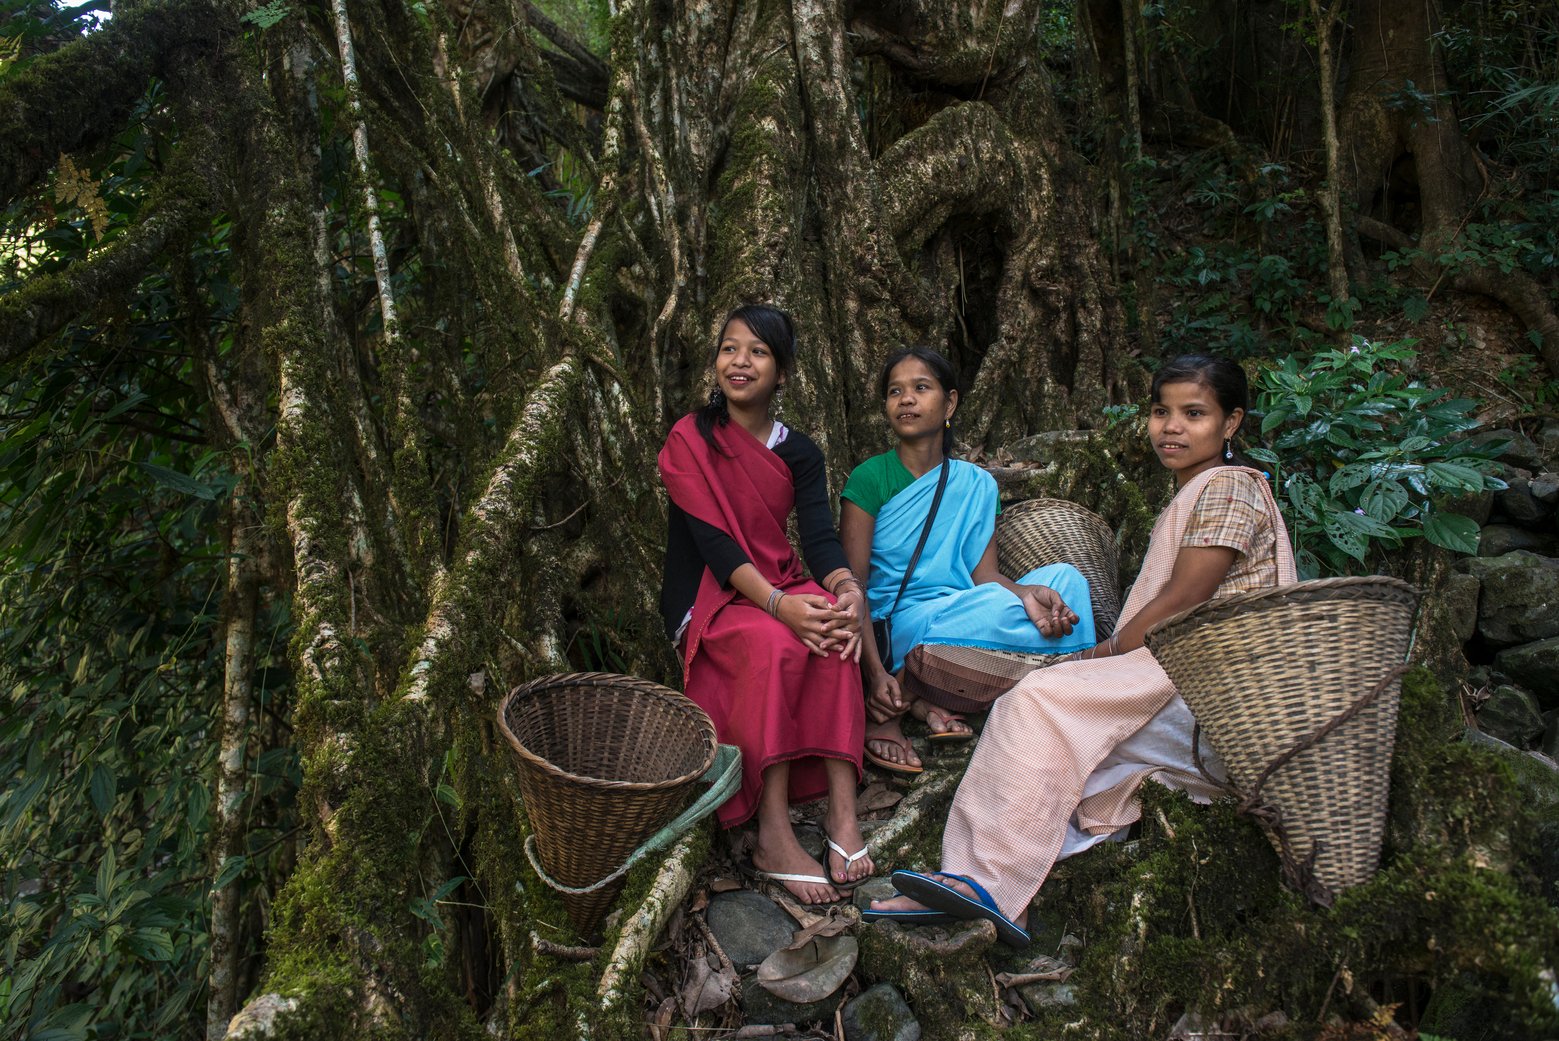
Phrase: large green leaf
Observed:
(1454, 477)
(1452, 531)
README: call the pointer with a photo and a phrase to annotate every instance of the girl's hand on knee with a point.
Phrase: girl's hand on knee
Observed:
(1048, 611)
(814, 621)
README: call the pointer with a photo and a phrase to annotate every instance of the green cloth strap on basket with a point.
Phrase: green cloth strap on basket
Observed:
(723, 777)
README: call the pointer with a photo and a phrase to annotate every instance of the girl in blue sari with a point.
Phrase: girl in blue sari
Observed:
(955, 593)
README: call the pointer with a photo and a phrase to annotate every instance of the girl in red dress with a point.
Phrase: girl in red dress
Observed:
(771, 655)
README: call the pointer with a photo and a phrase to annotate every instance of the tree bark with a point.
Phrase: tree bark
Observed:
(1325, 22)
(1396, 106)
(240, 602)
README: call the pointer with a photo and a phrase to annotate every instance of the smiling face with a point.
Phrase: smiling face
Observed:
(746, 368)
(1187, 428)
(915, 402)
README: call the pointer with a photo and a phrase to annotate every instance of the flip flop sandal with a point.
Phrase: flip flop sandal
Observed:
(939, 897)
(746, 867)
(888, 764)
(907, 917)
(849, 858)
(948, 737)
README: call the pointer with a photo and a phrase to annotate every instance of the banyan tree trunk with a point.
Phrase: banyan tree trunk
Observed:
(463, 359)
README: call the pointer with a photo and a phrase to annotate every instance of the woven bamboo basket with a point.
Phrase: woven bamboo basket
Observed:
(1309, 671)
(1037, 532)
(604, 762)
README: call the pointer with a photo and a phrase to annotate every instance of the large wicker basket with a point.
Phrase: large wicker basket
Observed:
(1297, 689)
(604, 762)
(1037, 532)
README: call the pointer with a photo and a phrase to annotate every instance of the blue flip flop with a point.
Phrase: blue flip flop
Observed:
(942, 898)
(907, 917)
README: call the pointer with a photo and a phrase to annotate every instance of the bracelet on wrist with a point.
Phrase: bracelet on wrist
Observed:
(774, 599)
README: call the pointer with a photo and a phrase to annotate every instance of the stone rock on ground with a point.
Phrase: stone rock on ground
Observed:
(1520, 450)
(1519, 601)
(1545, 489)
(1519, 503)
(1499, 539)
(1534, 666)
(1548, 444)
(1512, 715)
(880, 1014)
(749, 926)
(1550, 745)
(760, 1006)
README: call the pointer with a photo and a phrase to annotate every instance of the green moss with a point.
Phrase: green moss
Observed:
(942, 973)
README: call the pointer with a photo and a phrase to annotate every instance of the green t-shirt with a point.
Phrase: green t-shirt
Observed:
(875, 481)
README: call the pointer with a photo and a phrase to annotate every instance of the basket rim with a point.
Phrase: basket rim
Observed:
(1210, 611)
(1045, 502)
(609, 679)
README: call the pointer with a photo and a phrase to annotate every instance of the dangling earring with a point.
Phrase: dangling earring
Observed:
(779, 399)
(1228, 450)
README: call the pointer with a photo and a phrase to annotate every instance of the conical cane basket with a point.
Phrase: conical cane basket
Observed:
(605, 761)
(1266, 674)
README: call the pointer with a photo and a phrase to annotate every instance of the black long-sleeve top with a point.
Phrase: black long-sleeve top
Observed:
(692, 545)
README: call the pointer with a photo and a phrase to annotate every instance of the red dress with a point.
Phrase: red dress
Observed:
(766, 693)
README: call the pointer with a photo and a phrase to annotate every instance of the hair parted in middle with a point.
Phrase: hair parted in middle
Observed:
(941, 371)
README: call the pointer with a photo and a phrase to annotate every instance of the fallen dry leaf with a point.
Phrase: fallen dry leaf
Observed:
(724, 885)
(878, 796)
(803, 917)
(809, 973)
(833, 923)
(660, 1026)
(706, 988)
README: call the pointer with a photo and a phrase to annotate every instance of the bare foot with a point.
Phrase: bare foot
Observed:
(898, 903)
(940, 721)
(886, 741)
(786, 857)
(845, 832)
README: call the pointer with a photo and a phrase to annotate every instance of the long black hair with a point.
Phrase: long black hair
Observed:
(941, 371)
(1221, 375)
(769, 324)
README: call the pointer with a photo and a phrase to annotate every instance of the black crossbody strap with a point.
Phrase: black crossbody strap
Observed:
(925, 531)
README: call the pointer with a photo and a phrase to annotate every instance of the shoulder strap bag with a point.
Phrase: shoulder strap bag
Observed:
(882, 629)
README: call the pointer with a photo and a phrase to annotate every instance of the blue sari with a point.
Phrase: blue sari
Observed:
(942, 604)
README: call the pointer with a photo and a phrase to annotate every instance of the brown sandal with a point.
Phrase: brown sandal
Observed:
(888, 764)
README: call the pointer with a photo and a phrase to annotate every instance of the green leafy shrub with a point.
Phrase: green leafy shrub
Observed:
(1365, 456)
